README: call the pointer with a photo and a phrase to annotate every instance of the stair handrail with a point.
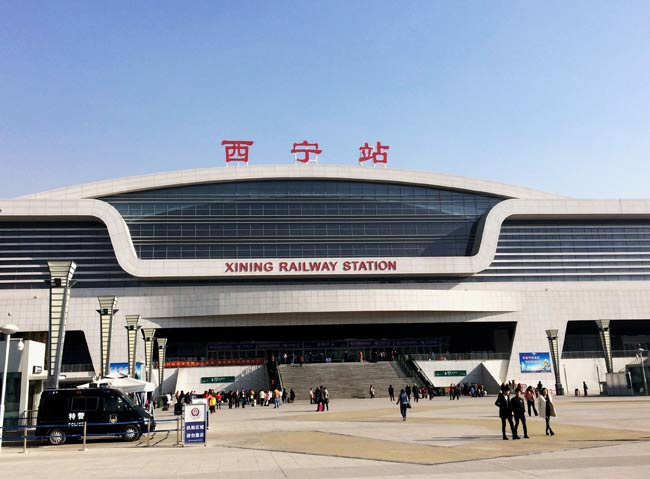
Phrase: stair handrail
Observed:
(280, 382)
(411, 367)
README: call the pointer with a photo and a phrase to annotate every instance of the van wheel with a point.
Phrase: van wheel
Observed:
(130, 433)
(56, 437)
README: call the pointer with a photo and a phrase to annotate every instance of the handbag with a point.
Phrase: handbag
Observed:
(408, 405)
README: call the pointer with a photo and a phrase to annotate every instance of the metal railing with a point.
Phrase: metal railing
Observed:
(26, 434)
(77, 368)
(411, 368)
(478, 355)
(598, 354)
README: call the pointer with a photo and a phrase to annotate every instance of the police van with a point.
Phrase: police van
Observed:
(107, 412)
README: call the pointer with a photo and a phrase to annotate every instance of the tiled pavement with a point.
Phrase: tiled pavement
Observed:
(366, 438)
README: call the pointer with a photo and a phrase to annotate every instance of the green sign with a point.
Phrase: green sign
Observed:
(218, 379)
(452, 372)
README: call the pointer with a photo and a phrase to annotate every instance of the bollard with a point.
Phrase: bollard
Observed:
(178, 431)
(25, 438)
(148, 432)
(84, 437)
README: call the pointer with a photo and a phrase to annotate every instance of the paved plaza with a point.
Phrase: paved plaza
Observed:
(367, 438)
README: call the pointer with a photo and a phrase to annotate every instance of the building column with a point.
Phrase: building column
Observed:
(606, 343)
(147, 335)
(61, 273)
(132, 335)
(551, 334)
(162, 348)
(106, 312)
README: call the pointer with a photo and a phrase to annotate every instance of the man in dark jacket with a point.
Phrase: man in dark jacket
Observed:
(505, 412)
(519, 411)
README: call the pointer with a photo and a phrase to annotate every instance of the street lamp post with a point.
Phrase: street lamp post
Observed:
(640, 352)
(551, 334)
(7, 330)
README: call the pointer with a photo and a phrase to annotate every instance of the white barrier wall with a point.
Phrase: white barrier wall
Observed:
(573, 372)
(490, 373)
(189, 379)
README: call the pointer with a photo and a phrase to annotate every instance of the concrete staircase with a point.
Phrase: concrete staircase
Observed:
(345, 380)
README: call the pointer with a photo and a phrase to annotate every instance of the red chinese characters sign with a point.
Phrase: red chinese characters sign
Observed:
(305, 152)
(302, 151)
(378, 154)
(236, 150)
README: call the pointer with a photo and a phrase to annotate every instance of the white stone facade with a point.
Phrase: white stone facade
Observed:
(533, 306)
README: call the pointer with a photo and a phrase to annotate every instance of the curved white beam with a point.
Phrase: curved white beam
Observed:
(313, 172)
(406, 266)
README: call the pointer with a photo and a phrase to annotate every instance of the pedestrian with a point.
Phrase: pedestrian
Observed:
(519, 412)
(372, 392)
(505, 412)
(212, 402)
(545, 405)
(584, 387)
(326, 398)
(408, 392)
(311, 396)
(451, 392)
(391, 393)
(317, 399)
(530, 396)
(416, 393)
(404, 403)
(292, 395)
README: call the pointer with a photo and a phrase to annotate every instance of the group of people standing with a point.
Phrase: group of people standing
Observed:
(418, 392)
(515, 407)
(474, 390)
(321, 397)
(236, 399)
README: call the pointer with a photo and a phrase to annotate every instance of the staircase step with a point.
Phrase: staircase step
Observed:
(345, 380)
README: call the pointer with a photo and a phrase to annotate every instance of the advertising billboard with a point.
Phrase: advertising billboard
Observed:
(123, 368)
(535, 362)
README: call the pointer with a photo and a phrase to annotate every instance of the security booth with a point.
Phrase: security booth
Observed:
(25, 379)
(638, 378)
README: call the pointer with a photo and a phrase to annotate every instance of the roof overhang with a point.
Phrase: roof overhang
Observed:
(297, 172)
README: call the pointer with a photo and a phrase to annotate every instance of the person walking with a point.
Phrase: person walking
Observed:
(404, 403)
(547, 407)
(519, 412)
(505, 412)
(391, 393)
(584, 387)
(408, 392)
(326, 399)
(451, 392)
(416, 393)
(530, 396)
(372, 392)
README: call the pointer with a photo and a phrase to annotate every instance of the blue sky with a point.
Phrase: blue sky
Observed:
(551, 95)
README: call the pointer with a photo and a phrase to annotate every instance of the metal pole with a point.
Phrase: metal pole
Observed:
(4, 386)
(178, 431)
(566, 381)
(148, 432)
(25, 438)
(84, 437)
